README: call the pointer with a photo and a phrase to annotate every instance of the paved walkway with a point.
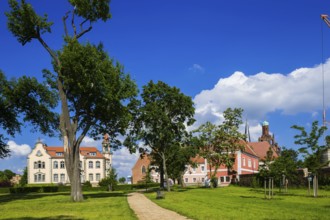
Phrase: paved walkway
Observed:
(147, 210)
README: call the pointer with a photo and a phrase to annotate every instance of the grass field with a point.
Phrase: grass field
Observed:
(245, 203)
(97, 205)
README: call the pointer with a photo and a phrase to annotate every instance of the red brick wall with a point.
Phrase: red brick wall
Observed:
(137, 174)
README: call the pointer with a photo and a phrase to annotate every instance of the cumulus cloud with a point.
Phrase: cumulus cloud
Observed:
(263, 93)
(88, 140)
(18, 150)
(123, 161)
(197, 68)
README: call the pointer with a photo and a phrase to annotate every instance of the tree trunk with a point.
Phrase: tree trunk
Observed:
(161, 170)
(165, 172)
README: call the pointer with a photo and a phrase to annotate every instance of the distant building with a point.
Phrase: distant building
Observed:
(15, 179)
(46, 164)
(247, 161)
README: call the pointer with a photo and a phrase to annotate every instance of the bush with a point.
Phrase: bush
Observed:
(50, 189)
(4, 190)
(87, 184)
(25, 189)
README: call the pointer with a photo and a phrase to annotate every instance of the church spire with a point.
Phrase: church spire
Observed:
(247, 131)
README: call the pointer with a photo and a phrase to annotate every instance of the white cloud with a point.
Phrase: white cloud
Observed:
(197, 68)
(123, 162)
(88, 140)
(18, 150)
(263, 93)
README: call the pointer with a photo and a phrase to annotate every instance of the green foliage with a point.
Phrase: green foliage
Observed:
(24, 23)
(27, 98)
(110, 181)
(87, 184)
(122, 180)
(311, 148)
(92, 10)
(24, 178)
(218, 143)
(285, 165)
(160, 121)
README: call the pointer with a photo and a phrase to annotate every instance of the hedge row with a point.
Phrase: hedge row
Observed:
(47, 189)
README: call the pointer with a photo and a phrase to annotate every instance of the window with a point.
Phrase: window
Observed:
(194, 180)
(194, 169)
(203, 180)
(98, 164)
(186, 180)
(62, 165)
(90, 164)
(98, 177)
(62, 177)
(55, 164)
(254, 164)
(59, 153)
(222, 179)
(92, 154)
(39, 177)
(55, 177)
(227, 179)
(249, 163)
(243, 161)
(203, 168)
(39, 165)
(90, 177)
(80, 164)
(143, 169)
(39, 154)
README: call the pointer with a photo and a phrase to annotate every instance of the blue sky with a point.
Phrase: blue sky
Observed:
(262, 55)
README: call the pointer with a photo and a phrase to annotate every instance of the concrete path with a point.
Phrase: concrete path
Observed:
(147, 210)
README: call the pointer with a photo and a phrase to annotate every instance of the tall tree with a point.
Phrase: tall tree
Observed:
(160, 122)
(285, 166)
(312, 149)
(94, 92)
(219, 143)
(27, 100)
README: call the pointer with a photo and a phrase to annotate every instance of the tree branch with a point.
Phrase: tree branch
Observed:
(84, 32)
(64, 23)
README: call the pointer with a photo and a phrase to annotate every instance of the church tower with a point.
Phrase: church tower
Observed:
(107, 153)
(265, 134)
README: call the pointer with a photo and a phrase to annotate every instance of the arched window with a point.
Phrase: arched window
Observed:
(98, 164)
(62, 165)
(143, 169)
(90, 164)
(40, 165)
(55, 165)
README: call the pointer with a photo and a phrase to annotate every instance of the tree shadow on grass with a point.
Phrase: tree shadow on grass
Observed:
(59, 217)
(27, 196)
(104, 195)
(30, 196)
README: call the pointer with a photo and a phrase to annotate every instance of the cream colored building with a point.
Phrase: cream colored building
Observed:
(46, 164)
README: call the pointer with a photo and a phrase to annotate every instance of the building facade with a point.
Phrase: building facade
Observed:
(46, 164)
(246, 161)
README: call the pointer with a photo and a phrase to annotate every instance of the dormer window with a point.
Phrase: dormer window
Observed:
(92, 154)
(59, 154)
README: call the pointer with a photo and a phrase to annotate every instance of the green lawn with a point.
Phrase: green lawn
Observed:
(97, 205)
(245, 203)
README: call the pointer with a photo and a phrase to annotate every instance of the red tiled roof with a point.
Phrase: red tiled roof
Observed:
(261, 148)
(84, 151)
(198, 159)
